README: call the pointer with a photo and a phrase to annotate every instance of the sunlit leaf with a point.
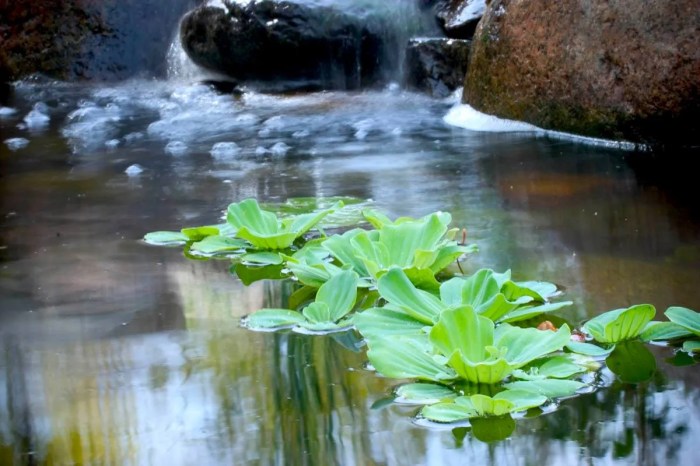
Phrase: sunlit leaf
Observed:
(559, 367)
(165, 238)
(620, 324)
(527, 312)
(217, 244)
(684, 317)
(545, 289)
(264, 230)
(589, 349)
(527, 344)
(691, 346)
(462, 329)
(262, 258)
(660, 331)
(268, 319)
(447, 412)
(482, 372)
(424, 393)
(550, 388)
(397, 289)
(339, 294)
(406, 358)
(386, 322)
(199, 233)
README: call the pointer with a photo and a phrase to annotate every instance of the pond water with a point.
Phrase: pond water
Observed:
(115, 352)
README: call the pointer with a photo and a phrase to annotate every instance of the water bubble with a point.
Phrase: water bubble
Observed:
(224, 150)
(16, 143)
(176, 148)
(279, 149)
(37, 118)
(301, 134)
(112, 143)
(7, 111)
(134, 170)
(260, 150)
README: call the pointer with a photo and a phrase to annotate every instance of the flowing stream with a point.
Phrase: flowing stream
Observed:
(115, 352)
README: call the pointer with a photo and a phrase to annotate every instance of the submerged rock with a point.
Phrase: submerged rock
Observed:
(624, 70)
(283, 41)
(436, 65)
(87, 39)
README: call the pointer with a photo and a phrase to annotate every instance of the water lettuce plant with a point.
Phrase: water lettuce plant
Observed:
(328, 312)
(471, 344)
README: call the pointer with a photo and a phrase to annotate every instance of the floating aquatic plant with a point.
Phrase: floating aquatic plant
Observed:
(468, 341)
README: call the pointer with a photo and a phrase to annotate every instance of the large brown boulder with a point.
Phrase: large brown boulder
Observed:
(620, 69)
(87, 39)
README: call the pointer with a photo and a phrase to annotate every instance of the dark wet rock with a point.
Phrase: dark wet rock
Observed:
(624, 70)
(284, 41)
(458, 18)
(87, 39)
(436, 65)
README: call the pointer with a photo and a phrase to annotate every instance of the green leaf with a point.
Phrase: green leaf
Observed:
(301, 296)
(405, 358)
(396, 288)
(462, 329)
(424, 393)
(386, 322)
(264, 230)
(199, 233)
(339, 294)
(217, 244)
(487, 406)
(447, 412)
(559, 367)
(521, 400)
(342, 248)
(550, 388)
(484, 372)
(376, 218)
(165, 238)
(479, 289)
(589, 349)
(684, 317)
(251, 274)
(660, 331)
(404, 240)
(527, 312)
(262, 258)
(544, 289)
(269, 319)
(691, 346)
(527, 344)
(620, 324)
(318, 313)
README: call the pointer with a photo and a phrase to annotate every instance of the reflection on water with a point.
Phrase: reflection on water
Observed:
(114, 352)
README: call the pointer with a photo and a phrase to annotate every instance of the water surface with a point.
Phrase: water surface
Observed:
(115, 352)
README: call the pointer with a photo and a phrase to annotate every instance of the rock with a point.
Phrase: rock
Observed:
(436, 65)
(283, 41)
(87, 39)
(624, 70)
(458, 18)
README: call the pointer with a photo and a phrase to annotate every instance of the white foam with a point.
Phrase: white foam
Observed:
(91, 126)
(37, 118)
(134, 170)
(176, 148)
(279, 149)
(7, 111)
(467, 117)
(16, 143)
(112, 144)
(223, 150)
